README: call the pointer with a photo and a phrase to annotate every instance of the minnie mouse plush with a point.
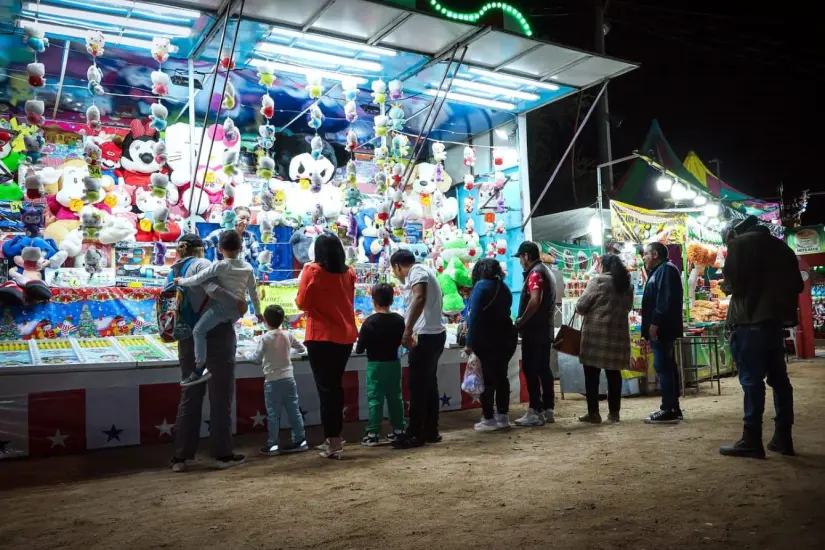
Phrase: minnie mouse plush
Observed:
(138, 162)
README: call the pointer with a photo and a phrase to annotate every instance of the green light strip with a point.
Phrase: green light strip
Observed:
(474, 17)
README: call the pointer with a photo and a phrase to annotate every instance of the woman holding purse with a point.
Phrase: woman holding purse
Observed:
(605, 335)
(492, 336)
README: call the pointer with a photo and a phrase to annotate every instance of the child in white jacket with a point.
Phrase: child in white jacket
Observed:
(237, 277)
(280, 389)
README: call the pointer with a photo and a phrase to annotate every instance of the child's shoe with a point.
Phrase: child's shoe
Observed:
(270, 450)
(299, 447)
(370, 440)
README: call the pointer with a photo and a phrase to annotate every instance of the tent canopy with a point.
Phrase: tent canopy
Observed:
(566, 226)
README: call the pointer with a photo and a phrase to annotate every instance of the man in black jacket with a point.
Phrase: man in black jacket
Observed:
(762, 275)
(661, 326)
(535, 323)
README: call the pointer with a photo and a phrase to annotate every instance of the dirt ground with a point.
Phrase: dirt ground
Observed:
(566, 485)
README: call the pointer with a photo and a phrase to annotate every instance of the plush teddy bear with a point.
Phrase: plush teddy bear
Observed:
(36, 72)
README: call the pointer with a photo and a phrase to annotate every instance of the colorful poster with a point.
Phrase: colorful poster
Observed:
(807, 240)
(282, 295)
(83, 313)
(639, 225)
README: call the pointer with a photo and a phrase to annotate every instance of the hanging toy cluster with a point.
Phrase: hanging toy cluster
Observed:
(266, 131)
(160, 53)
(227, 63)
(469, 162)
(95, 42)
(34, 37)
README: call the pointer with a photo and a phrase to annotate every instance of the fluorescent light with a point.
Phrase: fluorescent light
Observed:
(463, 98)
(596, 232)
(517, 79)
(148, 8)
(663, 184)
(501, 134)
(75, 32)
(334, 41)
(286, 51)
(294, 69)
(495, 90)
(117, 20)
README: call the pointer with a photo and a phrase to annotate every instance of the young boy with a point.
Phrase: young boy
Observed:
(280, 390)
(236, 276)
(381, 336)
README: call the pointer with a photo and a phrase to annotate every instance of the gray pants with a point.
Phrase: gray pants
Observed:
(220, 360)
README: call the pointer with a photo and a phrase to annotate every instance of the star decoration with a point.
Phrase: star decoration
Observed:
(165, 428)
(445, 400)
(258, 419)
(58, 439)
(112, 433)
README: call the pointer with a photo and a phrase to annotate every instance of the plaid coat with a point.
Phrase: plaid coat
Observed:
(605, 341)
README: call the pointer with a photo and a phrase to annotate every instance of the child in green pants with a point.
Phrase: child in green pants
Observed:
(381, 337)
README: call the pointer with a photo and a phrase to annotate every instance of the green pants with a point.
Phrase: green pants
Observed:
(384, 381)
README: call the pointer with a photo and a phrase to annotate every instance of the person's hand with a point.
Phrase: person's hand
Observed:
(177, 280)
(242, 306)
(654, 332)
(407, 340)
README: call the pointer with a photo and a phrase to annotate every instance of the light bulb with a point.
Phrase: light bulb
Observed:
(700, 200)
(663, 184)
(677, 192)
(712, 210)
(690, 194)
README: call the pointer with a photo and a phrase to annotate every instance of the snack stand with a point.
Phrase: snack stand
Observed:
(312, 116)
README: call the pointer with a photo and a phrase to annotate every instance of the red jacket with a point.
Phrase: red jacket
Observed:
(327, 300)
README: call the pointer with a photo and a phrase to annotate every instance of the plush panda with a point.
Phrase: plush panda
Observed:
(295, 162)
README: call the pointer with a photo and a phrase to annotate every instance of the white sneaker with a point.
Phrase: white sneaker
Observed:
(179, 466)
(502, 421)
(550, 416)
(531, 418)
(486, 425)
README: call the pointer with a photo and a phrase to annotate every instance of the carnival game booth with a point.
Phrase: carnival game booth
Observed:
(808, 243)
(312, 115)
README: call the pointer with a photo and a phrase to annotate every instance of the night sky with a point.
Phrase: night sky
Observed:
(736, 85)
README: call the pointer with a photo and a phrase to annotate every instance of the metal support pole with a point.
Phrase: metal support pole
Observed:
(524, 175)
(192, 166)
(66, 47)
(599, 185)
(563, 157)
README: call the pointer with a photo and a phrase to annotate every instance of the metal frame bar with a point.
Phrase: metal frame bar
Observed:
(212, 31)
(599, 197)
(192, 166)
(389, 28)
(464, 41)
(547, 76)
(516, 57)
(564, 156)
(66, 47)
(317, 15)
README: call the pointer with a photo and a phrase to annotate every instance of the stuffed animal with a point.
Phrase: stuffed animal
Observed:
(352, 141)
(94, 76)
(229, 93)
(118, 228)
(34, 144)
(439, 152)
(35, 38)
(95, 42)
(93, 260)
(397, 118)
(159, 184)
(91, 190)
(266, 136)
(34, 186)
(160, 49)
(31, 255)
(396, 89)
(138, 161)
(316, 117)
(161, 156)
(91, 152)
(228, 219)
(469, 181)
(267, 106)
(93, 118)
(266, 166)
(160, 219)
(36, 72)
(158, 116)
(266, 75)
(380, 125)
(469, 157)
(315, 85)
(267, 231)
(32, 219)
(379, 92)
(264, 264)
(454, 276)
(160, 83)
(91, 221)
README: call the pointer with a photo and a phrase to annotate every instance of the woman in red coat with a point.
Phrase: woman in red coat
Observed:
(326, 293)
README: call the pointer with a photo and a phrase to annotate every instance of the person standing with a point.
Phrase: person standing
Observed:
(249, 244)
(605, 335)
(424, 336)
(492, 336)
(762, 275)
(661, 325)
(221, 344)
(535, 323)
(326, 292)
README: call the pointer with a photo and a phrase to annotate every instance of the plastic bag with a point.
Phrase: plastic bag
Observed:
(473, 383)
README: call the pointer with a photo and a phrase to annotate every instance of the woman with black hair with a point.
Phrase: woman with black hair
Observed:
(326, 293)
(605, 341)
(492, 336)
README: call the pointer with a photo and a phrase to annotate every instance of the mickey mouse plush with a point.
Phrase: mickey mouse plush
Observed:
(138, 162)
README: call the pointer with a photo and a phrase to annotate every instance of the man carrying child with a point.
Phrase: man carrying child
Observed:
(380, 337)
(280, 390)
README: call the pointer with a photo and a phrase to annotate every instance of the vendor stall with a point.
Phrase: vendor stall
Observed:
(808, 243)
(308, 114)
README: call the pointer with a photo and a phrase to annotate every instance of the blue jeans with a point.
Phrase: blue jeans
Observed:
(283, 394)
(214, 315)
(664, 363)
(759, 352)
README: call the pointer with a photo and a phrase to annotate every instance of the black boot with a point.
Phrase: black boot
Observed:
(750, 446)
(782, 442)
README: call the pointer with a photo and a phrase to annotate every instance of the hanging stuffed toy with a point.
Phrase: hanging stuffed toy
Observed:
(93, 118)
(397, 120)
(400, 146)
(352, 141)
(380, 182)
(95, 40)
(380, 123)
(266, 166)
(264, 264)
(228, 218)
(160, 49)
(351, 176)
(316, 117)
(32, 219)
(500, 228)
(34, 188)
(34, 112)
(229, 93)
(160, 153)
(379, 92)
(227, 63)
(36, 72)
(498, 157)
(352, 198)
(267, 231)
(499, 179)
(228, 195)
(94, 76)
(501, 207)
(469, 182)
(317, 147)
(158, 116)
(469, 157)
(35, 38)
(34, 145)
(470, 226)
(350, 87)
(160, 183)
(396, 90)
(491, 250)
(351, 111)
(267, 106)
(501, 247)
(91, 152)
(160, 218)
(439, 152)
(315, 85)
(91, 221)
(397, 173)
(160, 83)
(266, 74)
(93, 260)
(266, 136)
